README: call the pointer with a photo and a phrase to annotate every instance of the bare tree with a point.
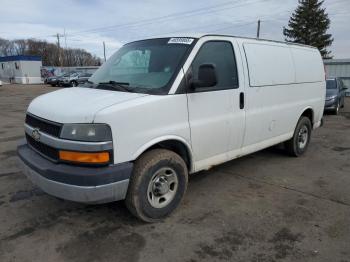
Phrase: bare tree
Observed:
(19, 46)
(48, 52)
(6, 47)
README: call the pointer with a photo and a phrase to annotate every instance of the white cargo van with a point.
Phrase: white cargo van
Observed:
(162, 108)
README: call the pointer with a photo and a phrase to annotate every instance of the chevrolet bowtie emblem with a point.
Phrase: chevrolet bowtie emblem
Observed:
(36, 134)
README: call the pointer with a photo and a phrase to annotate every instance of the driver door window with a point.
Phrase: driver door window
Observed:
(221, 55)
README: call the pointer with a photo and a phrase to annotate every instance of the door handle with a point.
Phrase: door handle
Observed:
(241, 100)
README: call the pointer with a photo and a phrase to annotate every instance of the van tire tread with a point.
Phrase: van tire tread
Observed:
(144, 163)
(291, 145)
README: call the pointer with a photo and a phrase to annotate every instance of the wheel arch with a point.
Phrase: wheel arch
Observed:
(174, 143)
(309, 113)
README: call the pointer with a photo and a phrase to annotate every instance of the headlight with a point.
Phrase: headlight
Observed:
(87, 132)
(330, 98)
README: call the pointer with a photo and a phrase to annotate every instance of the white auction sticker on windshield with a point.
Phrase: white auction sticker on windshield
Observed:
(180, 40)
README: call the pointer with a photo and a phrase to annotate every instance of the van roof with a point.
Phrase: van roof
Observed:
(200, 35)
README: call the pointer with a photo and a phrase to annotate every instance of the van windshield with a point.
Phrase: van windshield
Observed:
(147, 66)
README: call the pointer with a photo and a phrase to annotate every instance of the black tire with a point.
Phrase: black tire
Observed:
(73, 83)
(336, 110)
(53, 85)
(146, 169)
(297, 145)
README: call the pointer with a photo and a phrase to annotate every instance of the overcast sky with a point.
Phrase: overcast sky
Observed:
(88, 23)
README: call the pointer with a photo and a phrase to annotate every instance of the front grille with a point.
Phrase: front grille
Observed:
(46, 150)
(44, 125)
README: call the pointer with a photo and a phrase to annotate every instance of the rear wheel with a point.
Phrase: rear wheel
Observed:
(298, 144)
(73, 84)
(157, 186)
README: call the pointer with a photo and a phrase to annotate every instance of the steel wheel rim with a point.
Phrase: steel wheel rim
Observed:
(162, 187)
(303, 136)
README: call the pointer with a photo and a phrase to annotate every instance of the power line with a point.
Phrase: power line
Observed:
(173, 15)
(200, 11)
(192, 13)
(232, 26)
(188, 29)
(193, 28)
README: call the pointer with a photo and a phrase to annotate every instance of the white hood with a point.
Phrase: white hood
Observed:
(77, 105)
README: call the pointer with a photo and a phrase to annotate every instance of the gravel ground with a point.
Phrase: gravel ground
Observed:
(263, 207)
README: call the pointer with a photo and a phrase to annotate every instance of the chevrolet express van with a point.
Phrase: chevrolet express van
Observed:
(160, 109)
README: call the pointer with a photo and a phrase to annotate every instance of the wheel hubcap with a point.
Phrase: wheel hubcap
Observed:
(162, 187)
(303, 136)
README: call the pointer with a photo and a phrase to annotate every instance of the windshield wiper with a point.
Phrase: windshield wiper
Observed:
(122, 86)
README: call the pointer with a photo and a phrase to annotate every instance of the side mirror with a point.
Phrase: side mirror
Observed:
(206, 76)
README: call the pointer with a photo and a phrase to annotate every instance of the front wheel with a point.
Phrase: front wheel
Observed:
(336, 110)
(73, 84)
(298, 144)
(157, 186)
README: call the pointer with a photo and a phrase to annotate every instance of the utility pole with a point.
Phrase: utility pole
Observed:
(258, 29)
(65, 47)
(59, 48)
(104, 50)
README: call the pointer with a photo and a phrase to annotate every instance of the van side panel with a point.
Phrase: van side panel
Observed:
(308, 65)
(309, 70)
(278, 94)
(269, 64)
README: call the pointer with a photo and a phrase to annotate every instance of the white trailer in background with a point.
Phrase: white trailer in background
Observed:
(21, 69)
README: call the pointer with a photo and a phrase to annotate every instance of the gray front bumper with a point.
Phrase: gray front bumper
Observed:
(84, 194)
(86, 184)
(330, 104)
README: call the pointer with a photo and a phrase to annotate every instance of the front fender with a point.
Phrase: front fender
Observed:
(157, 140)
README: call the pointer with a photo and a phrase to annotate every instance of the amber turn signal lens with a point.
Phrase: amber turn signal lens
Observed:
(84, 157)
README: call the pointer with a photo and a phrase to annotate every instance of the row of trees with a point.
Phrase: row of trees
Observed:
(50, 54)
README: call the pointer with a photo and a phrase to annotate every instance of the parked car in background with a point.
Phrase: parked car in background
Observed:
(52, 80)
(74, 79)
(55, 80)
(83, 78)
(68, 79)
(0, 83)
(334, 95)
